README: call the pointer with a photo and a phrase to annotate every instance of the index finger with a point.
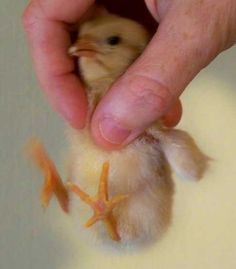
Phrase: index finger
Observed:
(47, 26)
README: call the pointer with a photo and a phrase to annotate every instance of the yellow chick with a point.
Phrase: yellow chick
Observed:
(130, 190)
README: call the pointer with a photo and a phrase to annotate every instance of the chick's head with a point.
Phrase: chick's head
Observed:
(106, 46)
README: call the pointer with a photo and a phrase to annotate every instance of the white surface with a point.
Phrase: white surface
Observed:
(203, 233)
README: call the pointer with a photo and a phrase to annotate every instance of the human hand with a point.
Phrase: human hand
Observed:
(164, 78)
(47, 24)
(190, 35)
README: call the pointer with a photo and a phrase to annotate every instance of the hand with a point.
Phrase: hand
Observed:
(47, 24)
(190, 35)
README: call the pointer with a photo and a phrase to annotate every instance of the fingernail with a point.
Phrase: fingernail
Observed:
(113, 132)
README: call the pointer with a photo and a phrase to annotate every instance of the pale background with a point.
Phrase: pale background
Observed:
(203, 234)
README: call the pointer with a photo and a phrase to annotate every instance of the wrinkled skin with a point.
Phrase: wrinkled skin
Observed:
(190, 35)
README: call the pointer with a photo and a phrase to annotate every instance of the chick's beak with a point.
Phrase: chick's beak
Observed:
(84, 47)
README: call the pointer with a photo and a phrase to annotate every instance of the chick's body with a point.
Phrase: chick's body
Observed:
(107, 45)
(140, 171)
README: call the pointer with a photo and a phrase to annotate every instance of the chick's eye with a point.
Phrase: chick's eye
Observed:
(113, 40)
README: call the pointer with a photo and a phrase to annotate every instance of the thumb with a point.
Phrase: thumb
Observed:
(149, 88)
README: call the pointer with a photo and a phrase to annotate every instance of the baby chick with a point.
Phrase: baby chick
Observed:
(106, 46)
(134, 193)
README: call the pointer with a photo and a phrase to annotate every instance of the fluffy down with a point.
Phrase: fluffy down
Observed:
(141, 171)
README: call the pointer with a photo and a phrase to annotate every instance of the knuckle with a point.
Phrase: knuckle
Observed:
(28, 19)
(150, 93)
(31, 15)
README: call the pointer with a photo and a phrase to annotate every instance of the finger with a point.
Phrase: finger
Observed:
(46, 24)
(153, 83)
(173, 115)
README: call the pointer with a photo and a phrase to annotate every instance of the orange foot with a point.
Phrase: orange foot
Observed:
(52, 182)
(101, 204)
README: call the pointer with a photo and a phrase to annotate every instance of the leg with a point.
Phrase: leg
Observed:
(52, 183)
(101, 204)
